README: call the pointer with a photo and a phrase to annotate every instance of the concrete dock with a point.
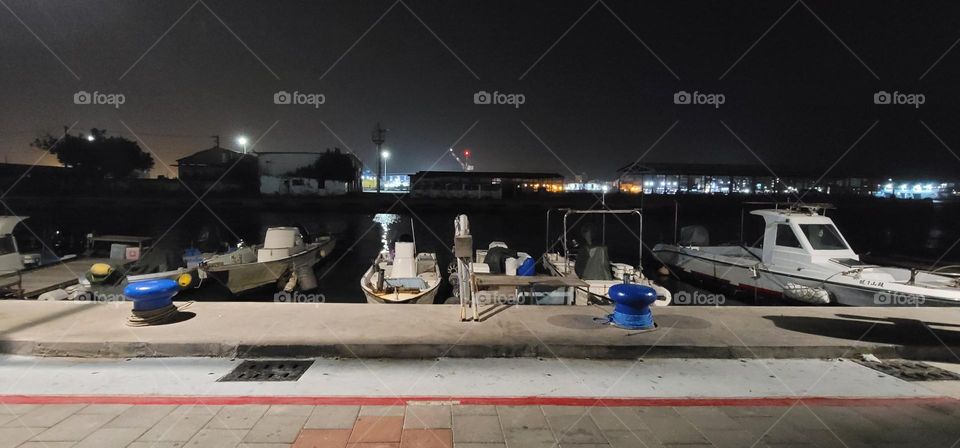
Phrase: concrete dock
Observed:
(249, 330)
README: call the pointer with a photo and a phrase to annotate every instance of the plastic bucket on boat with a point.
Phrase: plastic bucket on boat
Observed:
(528, 268)
(151, 294)
(632, 309)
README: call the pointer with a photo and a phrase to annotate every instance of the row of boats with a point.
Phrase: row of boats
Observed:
(801, 258)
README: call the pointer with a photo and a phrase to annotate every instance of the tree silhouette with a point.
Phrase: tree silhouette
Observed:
(97, 156)
(331, 165)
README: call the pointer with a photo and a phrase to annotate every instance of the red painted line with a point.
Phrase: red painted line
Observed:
(503, 401)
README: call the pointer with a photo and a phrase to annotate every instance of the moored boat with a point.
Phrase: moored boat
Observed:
(591, 262)
(285, 259)
(402, 277)
(804, 258)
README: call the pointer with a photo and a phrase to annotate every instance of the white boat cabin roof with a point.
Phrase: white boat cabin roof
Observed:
(792, 215)
(7, 223)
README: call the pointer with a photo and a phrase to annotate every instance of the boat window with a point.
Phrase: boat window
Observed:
(6, 245)
(823, 236)
(786, 237)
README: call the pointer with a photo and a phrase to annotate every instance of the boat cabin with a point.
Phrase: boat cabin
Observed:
(801, 237)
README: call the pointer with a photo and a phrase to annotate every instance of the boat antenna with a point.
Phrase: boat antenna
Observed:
(413, 231)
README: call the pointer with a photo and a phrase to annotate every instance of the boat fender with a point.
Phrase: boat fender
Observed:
(806, 294)
(100, 273)
(632, 306)
(186, 280)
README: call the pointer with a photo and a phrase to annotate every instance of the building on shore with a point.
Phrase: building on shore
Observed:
(482, 185)
(309, 173)
(674, 178)
(219, 169)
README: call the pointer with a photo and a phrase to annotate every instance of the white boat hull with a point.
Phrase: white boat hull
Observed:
(843, 289)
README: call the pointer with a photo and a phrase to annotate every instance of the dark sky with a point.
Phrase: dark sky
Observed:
(597, 99)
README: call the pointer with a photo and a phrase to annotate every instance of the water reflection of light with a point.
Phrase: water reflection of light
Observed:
(385, 220)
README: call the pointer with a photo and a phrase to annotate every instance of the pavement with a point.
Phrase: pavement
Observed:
(441, 426)
(469, 403)
(266, 329)
(498, 381)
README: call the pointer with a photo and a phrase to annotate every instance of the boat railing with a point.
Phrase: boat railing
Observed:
(567, 212)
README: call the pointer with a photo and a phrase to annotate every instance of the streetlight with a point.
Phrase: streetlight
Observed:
(385, 155)
(91, 138)
(242, 141)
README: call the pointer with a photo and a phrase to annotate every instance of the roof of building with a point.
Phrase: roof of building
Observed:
(19, 169)
(487, 174)
(212, 156)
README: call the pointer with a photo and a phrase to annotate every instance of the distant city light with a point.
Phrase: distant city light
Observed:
(91, 138)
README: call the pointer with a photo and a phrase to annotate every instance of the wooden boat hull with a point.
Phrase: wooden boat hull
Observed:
(426, 296)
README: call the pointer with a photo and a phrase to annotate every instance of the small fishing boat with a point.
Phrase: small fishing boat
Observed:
(591, 262)
(804, 258)
(285, 259)
(105, 280)
(402, 277)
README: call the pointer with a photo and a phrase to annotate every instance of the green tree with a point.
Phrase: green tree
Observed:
(97, 155)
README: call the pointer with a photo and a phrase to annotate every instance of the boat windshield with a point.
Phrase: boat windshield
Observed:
(823, 237)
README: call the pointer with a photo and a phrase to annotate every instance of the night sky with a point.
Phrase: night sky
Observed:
(595, 99)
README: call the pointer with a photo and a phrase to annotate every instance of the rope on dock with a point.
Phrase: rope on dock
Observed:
(154, 317)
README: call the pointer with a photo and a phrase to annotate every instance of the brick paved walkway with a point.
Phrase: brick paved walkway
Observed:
(98, 425)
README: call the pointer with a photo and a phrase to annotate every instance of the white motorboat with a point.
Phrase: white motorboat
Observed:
(402, 277)
(592, 264)
(284, 259)
(804, 258)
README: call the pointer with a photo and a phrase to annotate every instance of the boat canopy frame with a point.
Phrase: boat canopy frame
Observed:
(570, 211)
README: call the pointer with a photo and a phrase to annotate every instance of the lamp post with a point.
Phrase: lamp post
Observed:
(385, 155)
(378, 137)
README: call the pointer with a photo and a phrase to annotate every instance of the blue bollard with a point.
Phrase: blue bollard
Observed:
(151, 294)
(632, 309)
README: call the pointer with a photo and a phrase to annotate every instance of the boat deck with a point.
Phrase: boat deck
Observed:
(55, 276)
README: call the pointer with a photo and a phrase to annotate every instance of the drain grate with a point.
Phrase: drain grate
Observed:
(910, 370)
(272, 370)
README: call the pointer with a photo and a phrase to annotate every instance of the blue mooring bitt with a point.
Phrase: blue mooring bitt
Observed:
(151, 294)
(632, 309)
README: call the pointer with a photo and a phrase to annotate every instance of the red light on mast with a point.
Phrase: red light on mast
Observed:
(466, 153)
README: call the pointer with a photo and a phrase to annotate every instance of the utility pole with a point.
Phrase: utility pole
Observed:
(379, 136)
(216, 141)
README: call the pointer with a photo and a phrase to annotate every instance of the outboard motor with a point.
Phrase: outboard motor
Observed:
(632, 309)
(593, 262)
